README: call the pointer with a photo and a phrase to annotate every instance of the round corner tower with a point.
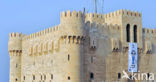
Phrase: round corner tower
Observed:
(73, 24)
(15, 51)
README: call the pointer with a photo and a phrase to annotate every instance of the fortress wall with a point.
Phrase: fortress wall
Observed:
(149, 32)
(149, 36)
(98, 56)
(33, 61)
(47, 64)
(47, 61)
(44, 47)
(64, 51)
(36, 57)
(102, 51)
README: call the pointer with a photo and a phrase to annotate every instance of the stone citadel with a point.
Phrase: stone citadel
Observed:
(84, 47)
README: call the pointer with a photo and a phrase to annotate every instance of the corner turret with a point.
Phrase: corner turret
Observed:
(15, 51)
(73, 24)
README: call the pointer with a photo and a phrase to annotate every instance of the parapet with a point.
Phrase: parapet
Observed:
(94, 17)
(41, 33)
(123, 12)
(71, 14)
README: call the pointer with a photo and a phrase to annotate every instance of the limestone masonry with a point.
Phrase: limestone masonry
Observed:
(84, 47)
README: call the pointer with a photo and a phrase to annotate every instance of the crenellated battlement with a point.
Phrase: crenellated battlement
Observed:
(41, 33)
(73, 22)
(71, 14)
(72, 17)
(149, 31)
(99, 26)
(131, 13)
(94, 15)
(15, 35)
(123, 12)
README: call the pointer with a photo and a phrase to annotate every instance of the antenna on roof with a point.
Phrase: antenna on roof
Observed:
(95, 6)
(102, 6)
(84, 10)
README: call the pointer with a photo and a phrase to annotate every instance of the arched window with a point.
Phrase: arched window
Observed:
(33, 77)
(91, 76)
(68, 57)
(135, 33)
(128, 32)
(16, 79)
(16, 65)
(41, 77)
(44, 77)
(92, 59)
(51, 76)
(24, 78)
(148, 75)
(119, 75)
(68, 78)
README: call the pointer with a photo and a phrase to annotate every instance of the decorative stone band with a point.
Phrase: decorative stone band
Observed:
(52, 46)
(73, 39)
(15, 52)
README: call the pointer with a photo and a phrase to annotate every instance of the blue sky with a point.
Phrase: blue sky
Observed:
(28, 16)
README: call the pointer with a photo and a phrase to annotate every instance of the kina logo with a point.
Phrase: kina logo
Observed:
(138, 76)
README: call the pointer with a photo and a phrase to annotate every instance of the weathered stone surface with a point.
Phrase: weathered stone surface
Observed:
(80, 45)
